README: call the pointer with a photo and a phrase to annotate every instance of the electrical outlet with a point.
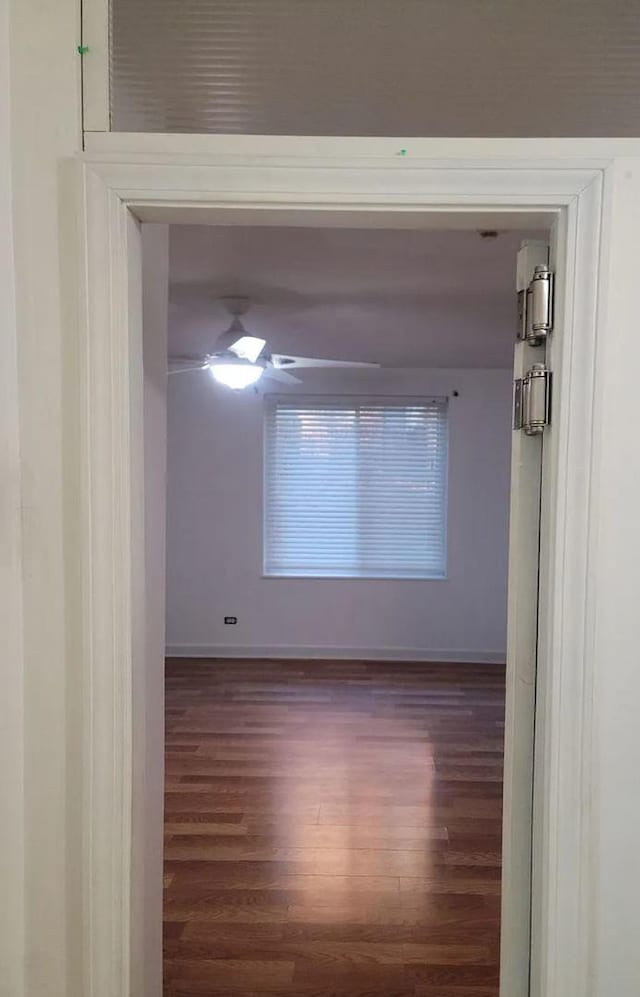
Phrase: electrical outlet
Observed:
(231, 619)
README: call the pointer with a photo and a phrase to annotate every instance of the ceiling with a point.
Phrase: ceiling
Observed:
(398, 298)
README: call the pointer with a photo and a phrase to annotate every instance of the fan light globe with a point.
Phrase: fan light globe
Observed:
(236, 375)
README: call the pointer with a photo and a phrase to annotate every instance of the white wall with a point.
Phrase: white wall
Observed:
(215, 533)
(42, 680)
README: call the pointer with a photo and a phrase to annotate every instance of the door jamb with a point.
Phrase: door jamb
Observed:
(115, 196)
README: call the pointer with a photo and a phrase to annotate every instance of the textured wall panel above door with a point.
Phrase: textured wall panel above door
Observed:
(377, 67)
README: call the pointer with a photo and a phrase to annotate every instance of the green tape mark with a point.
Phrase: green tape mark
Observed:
(83, 49)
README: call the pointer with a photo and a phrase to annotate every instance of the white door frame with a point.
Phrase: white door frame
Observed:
(128, 179)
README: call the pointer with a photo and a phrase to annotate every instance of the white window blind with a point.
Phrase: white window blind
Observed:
(355, 487)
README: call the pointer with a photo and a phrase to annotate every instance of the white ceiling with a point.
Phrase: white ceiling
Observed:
(399, 298)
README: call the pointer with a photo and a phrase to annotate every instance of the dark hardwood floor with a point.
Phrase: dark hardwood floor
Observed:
(332, 829)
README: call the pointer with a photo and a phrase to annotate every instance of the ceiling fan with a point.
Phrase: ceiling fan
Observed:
(239, 359)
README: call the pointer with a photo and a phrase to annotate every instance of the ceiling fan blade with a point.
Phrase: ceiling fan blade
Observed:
(286, 361)
(185, 363)
(281, 375)
(185, 370)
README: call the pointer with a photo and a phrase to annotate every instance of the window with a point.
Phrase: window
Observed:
(355, 488)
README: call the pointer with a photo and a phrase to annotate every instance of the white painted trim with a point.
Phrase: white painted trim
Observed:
(278, 651)
(508, 153)
(564, 828)
(158, 187)
(96, 111)
(111, 381)
(12, 566)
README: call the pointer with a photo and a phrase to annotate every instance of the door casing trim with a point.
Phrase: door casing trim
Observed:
(246, 180)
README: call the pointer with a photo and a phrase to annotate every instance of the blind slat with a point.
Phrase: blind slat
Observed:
(355, 488)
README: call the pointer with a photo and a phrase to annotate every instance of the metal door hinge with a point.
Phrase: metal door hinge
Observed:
(532, 400)
(535, 307)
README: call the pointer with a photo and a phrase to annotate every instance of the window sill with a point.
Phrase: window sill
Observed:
(279, 576)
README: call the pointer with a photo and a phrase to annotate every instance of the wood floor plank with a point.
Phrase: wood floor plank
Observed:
(237, 975)
(332, 828)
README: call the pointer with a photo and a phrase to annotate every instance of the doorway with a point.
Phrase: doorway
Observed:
(334, 766)
(113, 306)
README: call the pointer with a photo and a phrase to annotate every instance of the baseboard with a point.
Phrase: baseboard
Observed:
(341, 653)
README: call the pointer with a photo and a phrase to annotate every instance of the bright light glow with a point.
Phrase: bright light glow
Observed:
(236, 375)
(248, 347)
